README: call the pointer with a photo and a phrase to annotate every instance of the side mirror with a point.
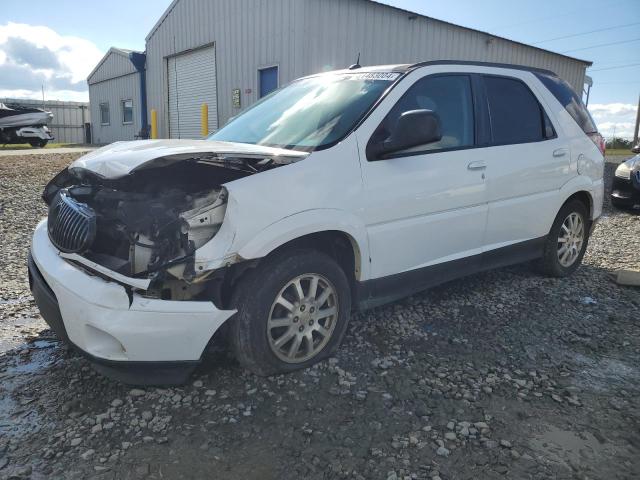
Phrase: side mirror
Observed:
(636, 149)
(413, 128)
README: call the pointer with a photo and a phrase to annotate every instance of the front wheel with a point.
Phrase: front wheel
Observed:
(566, 243)
(293, 311)
(38, 143)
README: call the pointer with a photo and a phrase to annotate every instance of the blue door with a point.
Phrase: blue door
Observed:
(268, 80)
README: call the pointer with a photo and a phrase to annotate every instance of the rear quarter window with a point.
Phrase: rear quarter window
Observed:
(570, 100)
(515, 114)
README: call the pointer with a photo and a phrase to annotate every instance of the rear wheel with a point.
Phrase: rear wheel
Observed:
(567, 241)
(38, 143)
(293, 310)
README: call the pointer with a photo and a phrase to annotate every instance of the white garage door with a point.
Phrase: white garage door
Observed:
(192, 82)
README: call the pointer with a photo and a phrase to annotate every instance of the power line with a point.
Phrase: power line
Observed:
(601, 45)
(615, 68)
(586, 33)
(551, 17)
(635, 82)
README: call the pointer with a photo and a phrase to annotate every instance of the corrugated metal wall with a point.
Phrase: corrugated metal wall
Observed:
(68, 121)
(336, 30)
(113, 92)
(303, 37)
(248, 34)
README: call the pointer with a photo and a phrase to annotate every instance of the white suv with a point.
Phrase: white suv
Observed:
(341, 191)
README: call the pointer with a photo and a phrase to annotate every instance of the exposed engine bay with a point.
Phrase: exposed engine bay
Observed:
(148, 223)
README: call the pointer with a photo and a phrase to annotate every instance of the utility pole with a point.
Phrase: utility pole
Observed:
(635, 134)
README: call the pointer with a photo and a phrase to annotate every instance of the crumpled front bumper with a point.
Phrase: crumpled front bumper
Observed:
(120, 332)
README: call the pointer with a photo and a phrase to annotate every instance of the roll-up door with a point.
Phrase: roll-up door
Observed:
(192, 82)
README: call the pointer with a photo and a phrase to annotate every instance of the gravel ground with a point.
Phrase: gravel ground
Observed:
(504, 374)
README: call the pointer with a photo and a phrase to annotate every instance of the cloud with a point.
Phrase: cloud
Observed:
(33, 56)
(23, 52)
(618, 118)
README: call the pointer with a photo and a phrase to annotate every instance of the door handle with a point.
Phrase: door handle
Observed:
(479, 165)
(561, 152)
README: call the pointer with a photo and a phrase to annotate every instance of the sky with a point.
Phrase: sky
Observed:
(56, 45)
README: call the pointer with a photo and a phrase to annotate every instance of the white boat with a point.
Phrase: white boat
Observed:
(24, 125)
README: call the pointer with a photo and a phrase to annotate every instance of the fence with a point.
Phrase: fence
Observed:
(69, 118)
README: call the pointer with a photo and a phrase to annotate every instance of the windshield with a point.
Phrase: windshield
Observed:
(309, 113)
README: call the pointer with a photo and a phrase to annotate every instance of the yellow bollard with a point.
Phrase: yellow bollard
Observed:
(204, 120)
(154, 124)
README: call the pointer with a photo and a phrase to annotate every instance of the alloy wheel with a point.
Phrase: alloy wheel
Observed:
(302, 318)
(571, 239)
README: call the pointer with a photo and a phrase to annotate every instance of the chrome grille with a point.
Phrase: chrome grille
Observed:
(71, 225)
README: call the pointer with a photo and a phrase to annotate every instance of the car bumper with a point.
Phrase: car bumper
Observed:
(126, 336)
(625, 192)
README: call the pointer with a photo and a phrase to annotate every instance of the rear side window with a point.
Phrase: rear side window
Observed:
(569, 100)
(515, 113)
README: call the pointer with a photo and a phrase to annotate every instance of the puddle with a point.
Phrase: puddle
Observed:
(567, 447)
(39, 359)
(11, 335)
(17, 416)
(15, 301)
(603, 373)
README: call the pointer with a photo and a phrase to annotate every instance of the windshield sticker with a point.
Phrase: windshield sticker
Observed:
(389, 76)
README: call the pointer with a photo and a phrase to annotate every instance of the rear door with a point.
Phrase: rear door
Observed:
(425, 206)
(527, 162)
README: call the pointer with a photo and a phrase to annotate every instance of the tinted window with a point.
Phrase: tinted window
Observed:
(516, 115)
(569, 100)
(449, 97)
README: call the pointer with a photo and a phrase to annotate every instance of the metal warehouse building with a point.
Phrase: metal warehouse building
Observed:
(115, 96)
(229, 53)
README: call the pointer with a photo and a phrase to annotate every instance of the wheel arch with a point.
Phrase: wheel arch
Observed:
(330, 231)
(584, 197)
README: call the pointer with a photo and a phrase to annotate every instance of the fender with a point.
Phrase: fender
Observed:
(582, 183)
(308, 222)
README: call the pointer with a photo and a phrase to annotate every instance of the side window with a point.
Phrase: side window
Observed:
(104, 114)
(447, 95)
(515, 113)
(569, 100)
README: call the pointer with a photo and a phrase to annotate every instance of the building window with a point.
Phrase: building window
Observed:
(104, 114)
(127, 112)
(268, 80)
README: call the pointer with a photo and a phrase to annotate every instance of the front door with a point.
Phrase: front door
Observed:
(426, 206)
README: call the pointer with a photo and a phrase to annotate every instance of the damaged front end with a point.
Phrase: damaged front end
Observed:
(148, 223)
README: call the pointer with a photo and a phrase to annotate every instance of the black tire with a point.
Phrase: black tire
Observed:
(254, 296)
(38, 143)
(550, 264)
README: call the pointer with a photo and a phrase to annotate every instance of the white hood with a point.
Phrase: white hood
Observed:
(120, 158)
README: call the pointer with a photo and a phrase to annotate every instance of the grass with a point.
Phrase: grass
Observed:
(26, 146)
(619, 151)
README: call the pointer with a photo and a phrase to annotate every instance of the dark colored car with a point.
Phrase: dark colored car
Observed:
(625, 191)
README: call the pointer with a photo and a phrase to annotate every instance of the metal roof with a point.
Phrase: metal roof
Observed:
(118, 51)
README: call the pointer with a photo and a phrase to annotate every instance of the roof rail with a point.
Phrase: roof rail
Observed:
(481, 64)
